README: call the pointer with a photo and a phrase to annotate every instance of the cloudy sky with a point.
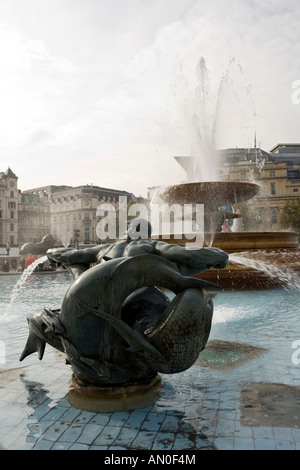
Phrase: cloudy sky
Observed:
(102, 91)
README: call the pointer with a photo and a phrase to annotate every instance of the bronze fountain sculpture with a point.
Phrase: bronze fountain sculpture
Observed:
(38, 248)
(116, 325)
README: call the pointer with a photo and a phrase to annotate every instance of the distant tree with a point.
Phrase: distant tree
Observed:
(290, 214)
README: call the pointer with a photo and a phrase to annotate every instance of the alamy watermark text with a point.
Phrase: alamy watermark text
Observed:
(177, 220)
(296, 94)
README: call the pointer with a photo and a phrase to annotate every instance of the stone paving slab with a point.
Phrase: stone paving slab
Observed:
(35, 414)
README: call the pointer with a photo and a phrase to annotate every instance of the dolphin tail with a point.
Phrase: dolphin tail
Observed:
(34, 344)
(182, 331)
(44, 327)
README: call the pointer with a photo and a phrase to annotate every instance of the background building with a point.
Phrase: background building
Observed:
(9, 199)
(70, 213)
(33, 217)
(278, 174)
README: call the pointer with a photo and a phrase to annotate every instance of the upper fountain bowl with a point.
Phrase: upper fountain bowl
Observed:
(211, 193)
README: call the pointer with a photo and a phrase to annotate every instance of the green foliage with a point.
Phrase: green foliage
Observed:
(290, 214)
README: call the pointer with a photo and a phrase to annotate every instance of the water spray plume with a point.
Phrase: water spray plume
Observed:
(21, 284)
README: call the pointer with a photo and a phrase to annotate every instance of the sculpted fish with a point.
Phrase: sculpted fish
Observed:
(101, 326)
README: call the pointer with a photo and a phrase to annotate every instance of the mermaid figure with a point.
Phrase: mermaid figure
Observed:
(117, 325)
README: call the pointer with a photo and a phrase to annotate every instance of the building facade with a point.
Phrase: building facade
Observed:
(70, 213)
(9, 201)
(278, 174)
(33, 218)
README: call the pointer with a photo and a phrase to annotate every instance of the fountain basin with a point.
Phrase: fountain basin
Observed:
(236, 241)
(211, 193)
(276, 250)
(266, 267)
(277, 255)
(33, 397)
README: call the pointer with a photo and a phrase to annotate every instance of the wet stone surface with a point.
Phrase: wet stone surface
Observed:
(225, 355)
(270, 404)
(209, 406)
(209, 414)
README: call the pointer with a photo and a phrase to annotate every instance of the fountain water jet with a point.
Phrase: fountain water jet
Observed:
(203, 187)
(20, 285)
(275, 247)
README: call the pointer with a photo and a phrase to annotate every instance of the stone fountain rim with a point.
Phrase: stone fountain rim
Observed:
(228, 192)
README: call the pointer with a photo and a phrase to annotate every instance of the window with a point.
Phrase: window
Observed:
(295, 190)
(11, 227)
(12, 194)
(274, 215)
(12, 214)
(272, 174)
(243, 176)
(0, 214)
(293, 174)
(273, 188)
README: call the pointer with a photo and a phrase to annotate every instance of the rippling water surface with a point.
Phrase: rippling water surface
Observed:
(268, 319)
(18, 300)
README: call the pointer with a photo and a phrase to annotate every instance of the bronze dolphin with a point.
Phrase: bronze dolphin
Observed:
(101, 346)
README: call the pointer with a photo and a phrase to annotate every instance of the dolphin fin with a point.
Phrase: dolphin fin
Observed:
(206, 284)
(34, 344)
(136, 341)
(52, 321)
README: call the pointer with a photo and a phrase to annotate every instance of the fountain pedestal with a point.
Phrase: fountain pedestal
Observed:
(109, 399)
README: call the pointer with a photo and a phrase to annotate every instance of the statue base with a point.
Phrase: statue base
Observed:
(109, 399)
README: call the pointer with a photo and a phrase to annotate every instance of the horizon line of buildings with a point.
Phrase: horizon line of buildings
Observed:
(60, 210)
(65, 210)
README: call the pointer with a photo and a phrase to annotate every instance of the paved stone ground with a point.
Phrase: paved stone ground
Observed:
(195, 410)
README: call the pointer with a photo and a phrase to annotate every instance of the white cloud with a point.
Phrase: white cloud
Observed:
(32, 86)
(98, 87)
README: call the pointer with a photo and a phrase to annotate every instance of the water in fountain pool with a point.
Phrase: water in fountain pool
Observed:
(23, 297)
(268, 319)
